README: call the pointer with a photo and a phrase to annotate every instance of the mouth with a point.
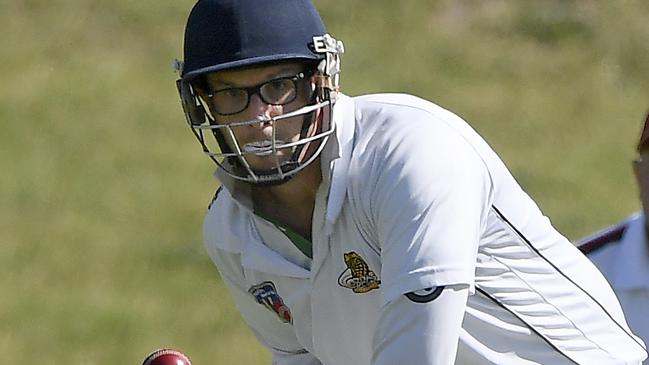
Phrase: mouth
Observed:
(261, 148)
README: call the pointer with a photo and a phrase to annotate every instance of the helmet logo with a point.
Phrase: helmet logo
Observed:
(327, 44)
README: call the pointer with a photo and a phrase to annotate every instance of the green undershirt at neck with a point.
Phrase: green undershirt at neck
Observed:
(305, 246)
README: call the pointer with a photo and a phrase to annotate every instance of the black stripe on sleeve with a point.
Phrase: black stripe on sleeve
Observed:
(481, 291)
(520, 234)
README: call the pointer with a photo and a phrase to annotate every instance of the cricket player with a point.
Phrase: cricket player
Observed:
(379, 229)
(621, 252)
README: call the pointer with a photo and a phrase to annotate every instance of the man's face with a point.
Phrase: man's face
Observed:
(228, 85)
(641, 170)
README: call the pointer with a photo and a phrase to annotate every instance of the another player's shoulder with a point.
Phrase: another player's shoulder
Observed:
(607, 237)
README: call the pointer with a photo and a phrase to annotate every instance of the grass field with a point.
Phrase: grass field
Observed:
(103, 188)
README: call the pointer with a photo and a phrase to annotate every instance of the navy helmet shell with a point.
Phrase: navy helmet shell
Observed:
(226, 34)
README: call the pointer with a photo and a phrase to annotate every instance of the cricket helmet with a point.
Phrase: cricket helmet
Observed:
(231, 34)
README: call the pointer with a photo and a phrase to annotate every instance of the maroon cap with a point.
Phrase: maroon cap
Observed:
(644, 138)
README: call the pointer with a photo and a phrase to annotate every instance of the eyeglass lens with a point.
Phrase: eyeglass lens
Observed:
(278, 91)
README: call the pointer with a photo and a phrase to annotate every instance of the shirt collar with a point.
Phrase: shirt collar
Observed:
(335, 169)
(233, 228)
(259, 257)
(632, 262)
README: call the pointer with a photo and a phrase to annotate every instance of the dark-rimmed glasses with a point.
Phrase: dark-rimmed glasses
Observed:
(279, 91)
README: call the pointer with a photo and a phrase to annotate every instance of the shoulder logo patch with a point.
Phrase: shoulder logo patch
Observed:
(266, 295)
(425, 295)
(358, 277)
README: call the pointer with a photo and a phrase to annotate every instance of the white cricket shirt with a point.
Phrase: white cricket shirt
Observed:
(413, 198)
(624, 261)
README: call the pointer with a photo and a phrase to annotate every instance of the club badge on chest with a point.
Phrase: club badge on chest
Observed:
(358, 277)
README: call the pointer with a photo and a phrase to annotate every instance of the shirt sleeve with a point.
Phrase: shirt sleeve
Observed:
(429, 206)
(413, 332)
(431, 195)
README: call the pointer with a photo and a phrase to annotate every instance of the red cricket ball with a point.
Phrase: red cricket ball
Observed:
(166, 357)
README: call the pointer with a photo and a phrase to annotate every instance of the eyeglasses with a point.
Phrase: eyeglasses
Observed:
(279, 91)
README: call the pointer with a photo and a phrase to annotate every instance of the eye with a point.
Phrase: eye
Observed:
(232, 93)
(278, 91)
(279, 85)
(229, 101)
(229, 95)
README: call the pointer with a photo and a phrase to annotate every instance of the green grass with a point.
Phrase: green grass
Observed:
(103, 187)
